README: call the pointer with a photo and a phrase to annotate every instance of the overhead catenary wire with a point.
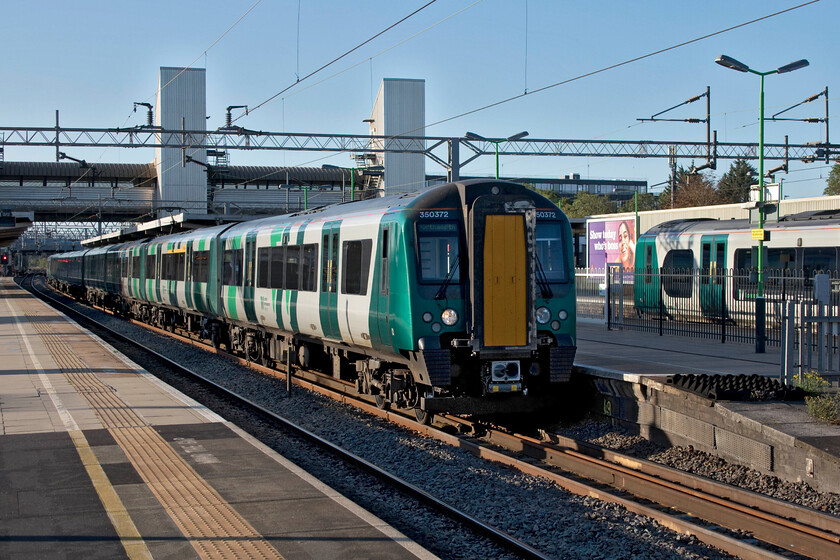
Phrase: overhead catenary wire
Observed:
(612, 66)
(336, 59)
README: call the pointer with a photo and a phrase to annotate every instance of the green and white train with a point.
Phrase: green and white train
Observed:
(458, 298)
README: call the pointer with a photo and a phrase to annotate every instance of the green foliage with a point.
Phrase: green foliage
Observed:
(823, 406)
(648, 201)
(734, 186)
(588, 204)
(833, 187)
(811, 382)
(548, 193)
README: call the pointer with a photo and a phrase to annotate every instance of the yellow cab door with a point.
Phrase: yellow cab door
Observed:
(505, 281)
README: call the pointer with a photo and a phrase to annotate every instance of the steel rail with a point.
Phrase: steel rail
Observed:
(787, 526)
(485, 530)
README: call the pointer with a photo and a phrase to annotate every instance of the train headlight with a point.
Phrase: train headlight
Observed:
(449, 317)
(427, 317)
(543, 315)
(555, 325)
(436, 327)
(563, 315)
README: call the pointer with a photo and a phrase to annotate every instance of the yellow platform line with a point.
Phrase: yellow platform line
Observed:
(133, 544)
(212, 526)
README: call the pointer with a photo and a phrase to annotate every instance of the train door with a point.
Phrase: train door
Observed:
(381, 296)
(505, 281)
(646, 281)
(250, 276)
(713, 275)
(329, 280)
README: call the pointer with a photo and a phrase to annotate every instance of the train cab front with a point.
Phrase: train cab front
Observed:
(518, 307)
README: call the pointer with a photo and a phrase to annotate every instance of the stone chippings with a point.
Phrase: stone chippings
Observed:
(686, 458)
(534, 510)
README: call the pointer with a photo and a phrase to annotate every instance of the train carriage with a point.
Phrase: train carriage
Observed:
(708, 268)
(457, 298)
(66, 271)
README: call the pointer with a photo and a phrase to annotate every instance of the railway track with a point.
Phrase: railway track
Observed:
(677, 500)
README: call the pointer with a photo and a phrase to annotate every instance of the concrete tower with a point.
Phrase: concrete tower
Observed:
(181, 105)
(400, 109)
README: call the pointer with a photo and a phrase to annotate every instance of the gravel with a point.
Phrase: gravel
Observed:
(686, 458)
(532, 509)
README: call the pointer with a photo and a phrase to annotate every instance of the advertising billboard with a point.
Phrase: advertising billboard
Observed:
(611, 241)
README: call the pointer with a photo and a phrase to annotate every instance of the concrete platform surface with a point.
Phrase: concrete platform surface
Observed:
(98, 459)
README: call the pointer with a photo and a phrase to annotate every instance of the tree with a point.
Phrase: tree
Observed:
(648, 201)
(734, 186)
(694, 190)
(588, 204)
(833, 187)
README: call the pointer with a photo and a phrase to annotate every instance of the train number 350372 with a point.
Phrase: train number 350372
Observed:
(434, 214)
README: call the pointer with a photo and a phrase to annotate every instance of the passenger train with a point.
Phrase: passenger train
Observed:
(458, 298)
(708, 268)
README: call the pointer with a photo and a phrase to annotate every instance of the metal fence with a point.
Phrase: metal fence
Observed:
(707, 303)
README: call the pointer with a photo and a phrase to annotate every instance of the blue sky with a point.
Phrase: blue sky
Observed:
(93, 59)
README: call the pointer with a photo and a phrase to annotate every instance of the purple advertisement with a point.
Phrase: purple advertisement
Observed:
(611, 241)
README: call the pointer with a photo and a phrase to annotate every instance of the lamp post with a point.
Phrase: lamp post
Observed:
(352, 171)
(518, 136)
(733, 64)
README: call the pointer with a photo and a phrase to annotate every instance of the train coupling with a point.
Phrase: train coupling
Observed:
(502, 377)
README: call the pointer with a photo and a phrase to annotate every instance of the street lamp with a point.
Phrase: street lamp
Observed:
(733, 64)
(518, 136)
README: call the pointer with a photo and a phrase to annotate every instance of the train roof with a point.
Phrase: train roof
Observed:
(815, 219)
(467, 190)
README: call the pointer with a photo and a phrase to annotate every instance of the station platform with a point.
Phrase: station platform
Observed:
(641, 353)
(99, 459)
(631, 371)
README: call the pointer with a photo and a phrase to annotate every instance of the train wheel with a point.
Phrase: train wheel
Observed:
(380, 401)
(422, 416)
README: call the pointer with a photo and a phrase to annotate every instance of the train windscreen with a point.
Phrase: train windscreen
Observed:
(551, 252)
(439, 249)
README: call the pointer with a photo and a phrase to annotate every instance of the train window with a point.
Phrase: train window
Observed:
(277, 258)
(706, 264)
(309, 268)
(781, 259)
(356, 266)
(720, 262)
(172, 266)
(201, 266)
(551, 252)
(649, 263)
(677, 278)
(232, 267)
(743, 259)
(151, 266)
(333, 283)
(816, 260)
(135, 266)
(438, 250)
(262, 267)
(292, 267)
(385, 272)
(325, 267)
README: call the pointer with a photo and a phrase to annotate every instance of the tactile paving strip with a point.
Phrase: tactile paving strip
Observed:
(212, 526)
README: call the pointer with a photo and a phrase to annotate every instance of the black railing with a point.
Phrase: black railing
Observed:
(707, 303)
